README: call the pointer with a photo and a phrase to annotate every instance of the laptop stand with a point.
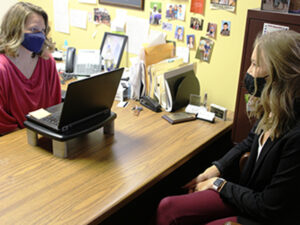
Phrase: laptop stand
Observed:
(61, 141)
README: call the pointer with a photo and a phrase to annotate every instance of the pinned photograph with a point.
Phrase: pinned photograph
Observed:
(101, 15)
(155, 13)
(175, 11)
(275, 5)
(228, 5)
(181, 12)
(190, 41)
(225, 29)
(167, 26)
(179, 33)
(211, 30)
(204, 49)
(196, 24)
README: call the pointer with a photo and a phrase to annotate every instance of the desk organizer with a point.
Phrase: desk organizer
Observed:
(60, 141)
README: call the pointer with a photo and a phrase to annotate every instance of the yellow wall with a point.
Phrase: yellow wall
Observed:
(218, 78)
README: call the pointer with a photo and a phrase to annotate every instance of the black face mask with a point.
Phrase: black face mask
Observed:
(249, 84)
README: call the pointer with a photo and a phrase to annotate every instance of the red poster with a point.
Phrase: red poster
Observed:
(197, 6)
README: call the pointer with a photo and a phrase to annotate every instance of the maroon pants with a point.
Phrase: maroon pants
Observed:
(204, 207)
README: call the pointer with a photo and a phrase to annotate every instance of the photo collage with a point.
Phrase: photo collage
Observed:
(166, 15)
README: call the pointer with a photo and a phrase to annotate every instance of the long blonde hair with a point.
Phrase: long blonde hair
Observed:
(280, 52)
(12, 27)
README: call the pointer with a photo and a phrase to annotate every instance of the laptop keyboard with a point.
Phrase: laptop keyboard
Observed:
(53, 118)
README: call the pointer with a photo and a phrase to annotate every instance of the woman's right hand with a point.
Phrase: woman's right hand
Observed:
(207, 174)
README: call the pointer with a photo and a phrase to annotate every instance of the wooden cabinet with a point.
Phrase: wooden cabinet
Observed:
(254, 25)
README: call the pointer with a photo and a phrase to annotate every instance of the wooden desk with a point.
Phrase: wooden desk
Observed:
(38, 188)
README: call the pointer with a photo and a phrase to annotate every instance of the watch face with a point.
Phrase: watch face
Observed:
(218, 182)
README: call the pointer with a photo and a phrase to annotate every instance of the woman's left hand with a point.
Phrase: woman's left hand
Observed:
(205, 185)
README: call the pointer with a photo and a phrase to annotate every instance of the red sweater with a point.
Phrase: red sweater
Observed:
(20, 95)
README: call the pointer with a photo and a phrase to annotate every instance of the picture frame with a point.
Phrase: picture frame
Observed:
(117, 43)
(294, 6)
(133, 4)
(275, 5)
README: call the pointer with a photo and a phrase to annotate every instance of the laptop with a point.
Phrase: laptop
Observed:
(89, 98)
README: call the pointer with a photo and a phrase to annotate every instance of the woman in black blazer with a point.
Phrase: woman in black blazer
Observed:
(267, 190)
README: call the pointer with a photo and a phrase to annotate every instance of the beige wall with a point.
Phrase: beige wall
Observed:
(219, 78)
(5, 4)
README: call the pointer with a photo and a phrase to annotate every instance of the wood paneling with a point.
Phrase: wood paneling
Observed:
(254, 25)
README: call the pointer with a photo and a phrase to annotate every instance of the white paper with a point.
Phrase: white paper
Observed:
(88, 1)
(61, 15)
(122, 104)
(268, 27)
(183, 52)
(118, 23)
(78, 18)
(122, 13)
(156, 37)
(137, 32)
(88, 56)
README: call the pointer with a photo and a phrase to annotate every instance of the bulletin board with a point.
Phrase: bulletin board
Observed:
(136, 4)
(216, 29)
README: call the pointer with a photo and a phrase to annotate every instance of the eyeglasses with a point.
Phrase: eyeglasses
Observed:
(36, 30)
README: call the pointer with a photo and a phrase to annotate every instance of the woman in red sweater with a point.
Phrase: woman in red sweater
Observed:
(28, 75)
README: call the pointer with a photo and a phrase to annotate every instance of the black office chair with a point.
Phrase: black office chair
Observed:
(242, 163)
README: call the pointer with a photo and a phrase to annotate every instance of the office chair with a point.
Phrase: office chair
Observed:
(232, 223)
(242, 163)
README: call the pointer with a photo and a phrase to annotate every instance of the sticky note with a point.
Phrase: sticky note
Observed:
(40, 113)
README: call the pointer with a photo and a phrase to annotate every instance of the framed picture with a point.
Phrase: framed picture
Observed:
(275, 5)
(294, 6)
(134, 4)
(114, 45)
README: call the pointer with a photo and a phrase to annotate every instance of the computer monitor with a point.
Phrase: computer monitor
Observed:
(116, 42)
(180, 83)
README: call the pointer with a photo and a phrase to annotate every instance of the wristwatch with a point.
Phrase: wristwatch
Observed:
(219, 182)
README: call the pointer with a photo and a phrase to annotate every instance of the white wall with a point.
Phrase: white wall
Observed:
(5, 4)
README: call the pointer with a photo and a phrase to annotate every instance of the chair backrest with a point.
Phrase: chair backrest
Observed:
(243, 160)
(232, 223)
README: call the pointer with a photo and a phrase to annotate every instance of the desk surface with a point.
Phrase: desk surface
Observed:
(38, 188)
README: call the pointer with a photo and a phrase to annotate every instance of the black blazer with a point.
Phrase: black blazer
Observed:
(268, 191)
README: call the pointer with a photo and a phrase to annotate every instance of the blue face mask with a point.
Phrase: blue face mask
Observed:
(34, 41)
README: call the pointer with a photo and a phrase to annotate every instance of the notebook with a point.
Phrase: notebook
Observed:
(178, 117)
(89, 98)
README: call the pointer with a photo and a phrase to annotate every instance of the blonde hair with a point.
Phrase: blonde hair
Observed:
(279, 52)
(12, 27)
